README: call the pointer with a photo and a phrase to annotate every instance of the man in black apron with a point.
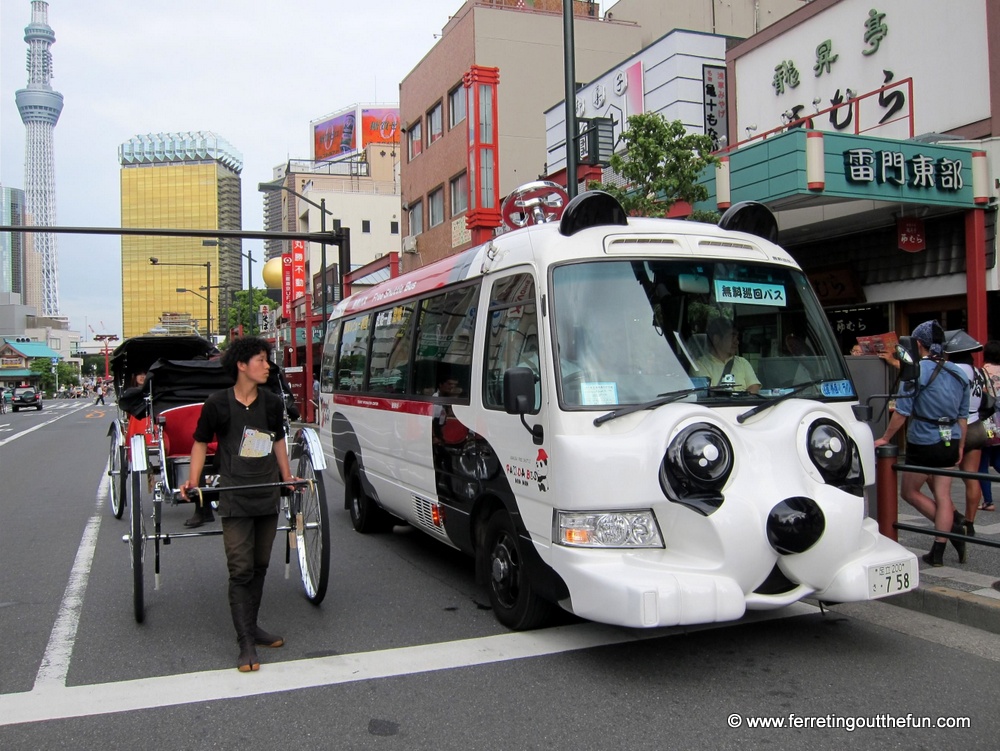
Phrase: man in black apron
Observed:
(248, 422)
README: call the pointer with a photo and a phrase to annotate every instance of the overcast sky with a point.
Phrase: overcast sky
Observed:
(253, 71)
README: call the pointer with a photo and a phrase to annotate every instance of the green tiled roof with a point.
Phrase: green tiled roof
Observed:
(33, 349)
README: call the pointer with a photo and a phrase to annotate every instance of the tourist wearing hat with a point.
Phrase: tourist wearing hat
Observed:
(958, 348)
(934, 408)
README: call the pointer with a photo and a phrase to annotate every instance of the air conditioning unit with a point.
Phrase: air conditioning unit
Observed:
(410, 244)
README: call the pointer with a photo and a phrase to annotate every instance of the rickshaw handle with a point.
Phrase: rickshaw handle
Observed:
(201, 501)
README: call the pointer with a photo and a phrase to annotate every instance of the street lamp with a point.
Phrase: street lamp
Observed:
(250, 261)
(208, 283)
(208, 323)
(270, 187)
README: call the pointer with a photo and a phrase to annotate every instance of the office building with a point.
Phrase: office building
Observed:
(187, 180)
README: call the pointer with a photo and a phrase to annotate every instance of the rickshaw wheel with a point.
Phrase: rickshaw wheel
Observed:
(136, 544)
(118, 476)
(313, 535)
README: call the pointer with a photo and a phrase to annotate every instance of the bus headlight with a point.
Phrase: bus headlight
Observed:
(696, 467)
(835, 456)
(607, 529)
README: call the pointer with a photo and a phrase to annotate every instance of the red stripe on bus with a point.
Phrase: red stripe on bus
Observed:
(431, 277)
(406, 406)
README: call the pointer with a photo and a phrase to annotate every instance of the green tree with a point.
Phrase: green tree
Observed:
(661, 165)
(244, 310)
(47, 380)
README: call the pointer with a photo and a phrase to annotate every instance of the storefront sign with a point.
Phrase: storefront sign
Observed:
(863, 165)
(836, 286)
(286, 285)
(716, 95)
(298, 269)
(910, 234)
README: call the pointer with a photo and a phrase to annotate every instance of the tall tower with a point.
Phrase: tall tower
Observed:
(40, 107)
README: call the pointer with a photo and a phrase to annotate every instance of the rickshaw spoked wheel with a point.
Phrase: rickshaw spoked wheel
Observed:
(313, 535)
(118, 477)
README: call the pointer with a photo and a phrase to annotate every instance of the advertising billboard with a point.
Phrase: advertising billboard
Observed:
(336, 136)
(379, 125)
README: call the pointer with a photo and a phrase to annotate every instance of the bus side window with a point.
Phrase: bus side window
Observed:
(391, 339)
(353, 354)
(512, 333)
(445, 334)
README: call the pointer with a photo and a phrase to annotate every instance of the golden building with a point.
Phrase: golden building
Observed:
(179, 181)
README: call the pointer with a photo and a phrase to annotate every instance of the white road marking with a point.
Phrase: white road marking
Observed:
(55, 661)
(14, 437)
(50, 702)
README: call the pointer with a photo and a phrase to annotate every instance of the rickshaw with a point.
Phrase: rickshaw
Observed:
(172, 398)
(131, 358)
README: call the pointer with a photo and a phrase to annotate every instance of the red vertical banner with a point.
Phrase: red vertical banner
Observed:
(298, 268)
(286, 285)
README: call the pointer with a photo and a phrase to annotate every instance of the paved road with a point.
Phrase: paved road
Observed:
(404, 652)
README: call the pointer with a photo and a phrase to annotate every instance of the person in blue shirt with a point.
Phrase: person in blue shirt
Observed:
(934, 407)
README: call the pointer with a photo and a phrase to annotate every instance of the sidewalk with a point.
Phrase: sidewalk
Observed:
(965, 593)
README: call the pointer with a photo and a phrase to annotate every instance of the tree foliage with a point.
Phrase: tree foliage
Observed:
(661, 165)
(47, 379)
(244, 311)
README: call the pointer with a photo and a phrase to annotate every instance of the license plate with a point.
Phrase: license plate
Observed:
(890, 578)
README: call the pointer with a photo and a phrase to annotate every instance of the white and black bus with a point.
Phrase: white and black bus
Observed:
(566, 404)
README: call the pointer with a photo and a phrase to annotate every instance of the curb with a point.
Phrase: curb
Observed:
(953, 605)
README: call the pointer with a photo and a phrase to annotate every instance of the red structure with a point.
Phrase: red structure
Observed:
(105, 338)
(484, 160)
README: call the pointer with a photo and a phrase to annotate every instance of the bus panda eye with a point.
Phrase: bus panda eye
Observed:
(835, 456)
(696, 466)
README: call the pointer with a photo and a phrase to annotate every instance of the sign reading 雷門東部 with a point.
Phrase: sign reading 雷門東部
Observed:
(854, 167)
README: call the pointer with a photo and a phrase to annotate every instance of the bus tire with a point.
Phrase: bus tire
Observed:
(366, 516)
(515, 602)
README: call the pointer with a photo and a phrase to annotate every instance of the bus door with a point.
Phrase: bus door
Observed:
(513, 339)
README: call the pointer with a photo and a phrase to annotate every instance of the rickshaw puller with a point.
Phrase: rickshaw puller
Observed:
(248, 423)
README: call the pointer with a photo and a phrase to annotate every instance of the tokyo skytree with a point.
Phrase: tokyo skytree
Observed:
(40, 107)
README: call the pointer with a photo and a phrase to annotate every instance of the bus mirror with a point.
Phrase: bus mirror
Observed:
(909, 358)
(518, 390)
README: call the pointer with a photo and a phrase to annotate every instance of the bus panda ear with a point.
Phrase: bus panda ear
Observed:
(591, 209)
(751, 217)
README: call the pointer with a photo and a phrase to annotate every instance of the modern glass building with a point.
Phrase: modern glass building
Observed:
(179, 181)
(12, 243)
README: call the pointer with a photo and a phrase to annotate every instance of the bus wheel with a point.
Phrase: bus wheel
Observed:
(366, 516)
(514, 601)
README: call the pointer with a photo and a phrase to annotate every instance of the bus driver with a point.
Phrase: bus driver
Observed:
(721, 365)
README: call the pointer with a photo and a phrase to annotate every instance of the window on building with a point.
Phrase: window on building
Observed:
(459, 194)
(456, 106)
(366, 225)
(414, 137)
(434, 123)
(416, 218)
(393, 228)
(435, 207)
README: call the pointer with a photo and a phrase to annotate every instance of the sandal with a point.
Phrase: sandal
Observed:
(987, 507)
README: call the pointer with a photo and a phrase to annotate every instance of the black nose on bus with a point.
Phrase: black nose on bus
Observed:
(795, 525)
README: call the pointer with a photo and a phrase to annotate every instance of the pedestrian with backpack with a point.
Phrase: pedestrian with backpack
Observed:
(934, 409)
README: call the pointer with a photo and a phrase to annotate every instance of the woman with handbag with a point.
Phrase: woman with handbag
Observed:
(991, 451)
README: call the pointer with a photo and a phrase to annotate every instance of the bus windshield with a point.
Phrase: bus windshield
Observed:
(628, 331)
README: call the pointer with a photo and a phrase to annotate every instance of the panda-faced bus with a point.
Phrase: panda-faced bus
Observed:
(646, 422)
